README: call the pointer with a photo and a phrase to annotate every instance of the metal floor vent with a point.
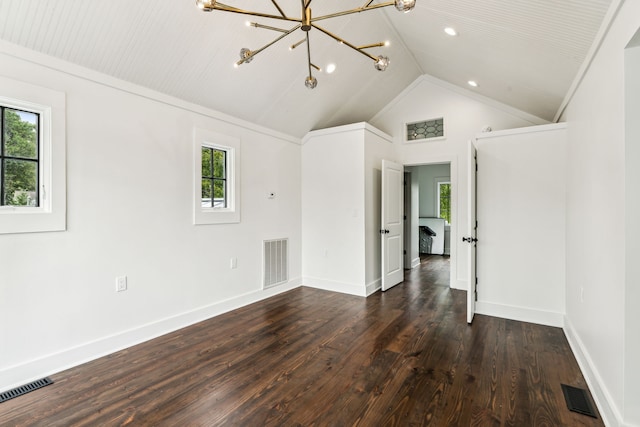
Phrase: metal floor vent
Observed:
(24, 389)
(276, 255)
(578, 401)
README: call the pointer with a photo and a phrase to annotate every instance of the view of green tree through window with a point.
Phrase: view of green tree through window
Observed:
(444, 201)
(19, 158)
(214, 178)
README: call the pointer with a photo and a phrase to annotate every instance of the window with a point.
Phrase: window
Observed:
(19, 157)
(216, 178)
(444, 201)
(426, 129)
(32, 158)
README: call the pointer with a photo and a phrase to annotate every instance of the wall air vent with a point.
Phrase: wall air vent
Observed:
(24, 389)
(276, 262)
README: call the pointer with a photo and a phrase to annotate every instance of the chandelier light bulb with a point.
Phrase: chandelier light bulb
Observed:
(205, 5)
(311, 82)
(246, 55)
(405, 5)
(382, 63)
(331, 68)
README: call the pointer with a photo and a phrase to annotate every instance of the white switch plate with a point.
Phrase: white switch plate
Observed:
(234, 263)
(121, 283)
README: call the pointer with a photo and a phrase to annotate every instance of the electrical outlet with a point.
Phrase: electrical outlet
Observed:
(121, 283)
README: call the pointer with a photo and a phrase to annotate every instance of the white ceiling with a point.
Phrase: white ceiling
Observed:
(524, 53)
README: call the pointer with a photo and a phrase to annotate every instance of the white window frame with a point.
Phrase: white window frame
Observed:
(210, 215)
(440, 181)
(51, 214)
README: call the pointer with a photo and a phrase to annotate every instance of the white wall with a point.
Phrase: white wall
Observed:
(521, 224)
(333, 209)
(632, 228)
(129, 204)
(341, 178)
(465, 114)
(598, 189)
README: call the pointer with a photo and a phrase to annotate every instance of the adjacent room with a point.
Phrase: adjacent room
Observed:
(405, 212)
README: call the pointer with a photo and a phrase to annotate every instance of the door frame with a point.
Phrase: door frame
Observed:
(452, 160)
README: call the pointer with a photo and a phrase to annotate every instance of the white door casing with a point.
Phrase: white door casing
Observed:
(471, 232)
(392, 224)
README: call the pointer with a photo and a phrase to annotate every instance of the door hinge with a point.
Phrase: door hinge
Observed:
(405, 217)
(405, 252)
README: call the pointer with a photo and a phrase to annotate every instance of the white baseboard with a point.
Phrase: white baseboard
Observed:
(610, 414)
(523, 314)
(415, 262)
(17, 375)
(374, 286)
(462, 285)
(330, 285)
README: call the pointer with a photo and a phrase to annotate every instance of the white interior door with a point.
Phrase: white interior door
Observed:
(392, 223)
(471, 232)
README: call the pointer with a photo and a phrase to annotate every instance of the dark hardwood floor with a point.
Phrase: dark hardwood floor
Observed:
(308, 357)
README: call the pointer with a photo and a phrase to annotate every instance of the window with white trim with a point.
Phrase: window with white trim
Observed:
(444, 201)
(32, 158)
(216, 178)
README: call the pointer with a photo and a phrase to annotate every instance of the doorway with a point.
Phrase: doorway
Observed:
(430, 210)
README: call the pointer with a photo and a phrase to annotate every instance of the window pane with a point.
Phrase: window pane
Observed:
(20, 134)
(219, 164)
(445, 201)
(206, 193)
(219, 194)
(20, 183)
(207, 166)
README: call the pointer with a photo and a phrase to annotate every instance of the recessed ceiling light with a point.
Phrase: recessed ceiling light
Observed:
(473, 83)
(331, 68)
(451, 31)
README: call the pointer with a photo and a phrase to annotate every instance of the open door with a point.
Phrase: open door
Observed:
(472, 230)
(392, 224)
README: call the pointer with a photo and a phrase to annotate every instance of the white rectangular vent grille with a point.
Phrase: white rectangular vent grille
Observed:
(276, 262)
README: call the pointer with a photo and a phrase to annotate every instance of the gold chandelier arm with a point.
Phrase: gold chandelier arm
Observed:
(278, 7)
(333, 36)
(369, 46)
(309, 55)
(356, 10)
(267, 27)
(255, 52)
(226, 8)
(367, 3)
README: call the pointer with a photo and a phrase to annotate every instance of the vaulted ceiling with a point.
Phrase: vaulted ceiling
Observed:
(524, 53)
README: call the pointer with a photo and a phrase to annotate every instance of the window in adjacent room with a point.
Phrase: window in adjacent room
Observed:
(444, 201)
(216, 178)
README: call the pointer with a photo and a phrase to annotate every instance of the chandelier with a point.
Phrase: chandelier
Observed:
(305, 22)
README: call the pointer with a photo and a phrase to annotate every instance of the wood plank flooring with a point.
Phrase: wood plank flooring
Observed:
(405, 357)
